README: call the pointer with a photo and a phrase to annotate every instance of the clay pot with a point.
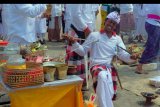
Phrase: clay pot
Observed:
(72, 69)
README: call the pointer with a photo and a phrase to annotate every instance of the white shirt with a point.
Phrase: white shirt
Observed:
(126, 8)
(19, 21)
(152, 9)
(102, 51)
(95, 7)
(57, 10)
(81, 16)
(67, 17)
(41, 26)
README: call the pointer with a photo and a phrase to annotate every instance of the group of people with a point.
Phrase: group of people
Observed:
(84, 42)
(104, 44)
(19, 22)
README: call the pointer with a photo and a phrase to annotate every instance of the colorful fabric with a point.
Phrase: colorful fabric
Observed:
(95, 70)
(153, 16)
(73, 58)
(54, 30)
(152, 44)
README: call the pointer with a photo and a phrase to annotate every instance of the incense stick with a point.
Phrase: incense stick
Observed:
(63, 35)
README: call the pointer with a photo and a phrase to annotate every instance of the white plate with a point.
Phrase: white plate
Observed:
(51, 63)
(155, 81)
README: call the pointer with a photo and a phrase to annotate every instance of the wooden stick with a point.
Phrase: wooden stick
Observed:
(74, 37)
(124, 49)
(118, 77)
(83, 45)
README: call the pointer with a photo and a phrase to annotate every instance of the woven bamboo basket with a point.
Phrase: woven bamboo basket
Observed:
(33, 75)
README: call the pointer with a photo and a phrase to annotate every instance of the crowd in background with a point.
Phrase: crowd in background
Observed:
(132, 20)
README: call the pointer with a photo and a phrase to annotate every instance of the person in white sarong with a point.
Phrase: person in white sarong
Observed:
(103, 46)
(140, 15)
(41, 29)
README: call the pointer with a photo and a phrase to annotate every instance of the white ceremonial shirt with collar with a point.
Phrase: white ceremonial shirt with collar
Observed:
(102, 49)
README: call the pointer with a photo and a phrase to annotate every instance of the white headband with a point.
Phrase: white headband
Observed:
(114, 16)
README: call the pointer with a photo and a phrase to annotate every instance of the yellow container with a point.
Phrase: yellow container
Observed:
(22, 66)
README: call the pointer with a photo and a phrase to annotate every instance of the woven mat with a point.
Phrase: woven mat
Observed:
(140, 85)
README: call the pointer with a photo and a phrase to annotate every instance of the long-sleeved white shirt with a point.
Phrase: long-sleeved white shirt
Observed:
(152, 9)
(95, 7)
(41, 24)
(81, 16)
(19, 21)
(103, 49)
(57, 10)
(67, 17)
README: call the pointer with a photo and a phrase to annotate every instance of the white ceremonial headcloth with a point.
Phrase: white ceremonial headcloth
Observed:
(114, 16)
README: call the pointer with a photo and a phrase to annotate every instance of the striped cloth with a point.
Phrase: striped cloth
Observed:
(73, 58)
(127, 22)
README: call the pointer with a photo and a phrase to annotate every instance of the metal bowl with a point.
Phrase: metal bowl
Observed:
(149, 97)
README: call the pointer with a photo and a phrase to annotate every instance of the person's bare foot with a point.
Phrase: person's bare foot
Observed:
(139, 70)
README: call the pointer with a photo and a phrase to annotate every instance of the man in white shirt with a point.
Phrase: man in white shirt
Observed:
(19, 22)
(103, 46)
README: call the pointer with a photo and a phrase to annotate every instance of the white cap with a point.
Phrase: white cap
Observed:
(114, 16)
